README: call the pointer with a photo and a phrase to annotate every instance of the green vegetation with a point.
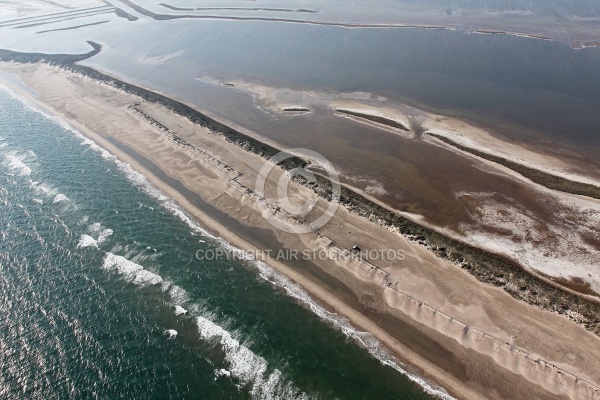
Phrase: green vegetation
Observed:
(64, 60)
(296, 109)
(375, 118)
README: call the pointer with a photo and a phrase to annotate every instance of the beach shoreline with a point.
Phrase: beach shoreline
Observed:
(580, 37)
(177, 165)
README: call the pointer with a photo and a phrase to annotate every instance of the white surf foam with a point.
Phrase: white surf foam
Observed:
(43, 188)
(171, 333)
(180, 310)
(95, 227)
(104, 235)
(87, 241)
(59, 198)
(146, 206)
(219, 373)
(16, 164)
(130, 271)
(178, 295)
(250, 369)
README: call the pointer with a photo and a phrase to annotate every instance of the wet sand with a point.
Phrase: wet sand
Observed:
(472, 339)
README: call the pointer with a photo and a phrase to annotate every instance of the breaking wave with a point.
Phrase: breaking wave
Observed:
(130, 271)
(249, 369)
(16, 164)
(59, 198)
(104, 235)
(86, 241)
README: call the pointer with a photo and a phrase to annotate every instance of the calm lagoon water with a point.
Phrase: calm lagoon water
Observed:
(545, 88)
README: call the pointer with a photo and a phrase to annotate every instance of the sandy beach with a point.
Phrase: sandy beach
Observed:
(472, 339)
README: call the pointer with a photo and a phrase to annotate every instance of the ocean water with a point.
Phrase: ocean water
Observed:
(97, 267)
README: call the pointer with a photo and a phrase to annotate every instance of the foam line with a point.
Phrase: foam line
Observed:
(87, 241)
(130, 271)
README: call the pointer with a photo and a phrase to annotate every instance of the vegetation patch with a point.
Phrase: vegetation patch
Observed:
(296, 109)
(375, 118)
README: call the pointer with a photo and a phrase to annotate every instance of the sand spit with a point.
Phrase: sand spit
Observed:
(164, 17)
(478, 139)
(160, 144)
(223, 175)
(361, 107)
(523, 35)
(175, 8)
(376, 118)
(485, 265)
(550, 181)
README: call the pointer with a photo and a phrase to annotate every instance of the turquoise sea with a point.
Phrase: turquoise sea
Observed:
(96, 266)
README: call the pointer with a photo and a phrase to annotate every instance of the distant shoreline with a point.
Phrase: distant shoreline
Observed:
(578, 44)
